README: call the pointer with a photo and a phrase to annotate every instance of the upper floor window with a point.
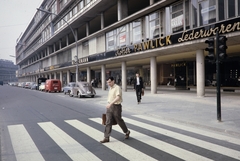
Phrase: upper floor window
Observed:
(207, 12)
(154, 29)
(137, 30)
(111, 40)
(180, 16)
(122, 36)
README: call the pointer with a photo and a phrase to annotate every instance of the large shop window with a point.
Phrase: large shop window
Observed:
(231, 8)
(122, 36)
(154, 25)
(207, 12)
(194, 4)
(177, 18)
(137, 31)
(111, 40)
(238, 7)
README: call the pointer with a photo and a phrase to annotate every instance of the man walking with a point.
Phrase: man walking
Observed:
(114, 110)
(138, 86)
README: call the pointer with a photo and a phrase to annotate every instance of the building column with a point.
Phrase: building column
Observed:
(88, 74)
(67, 40)
(60, 44)
(102, 20)
(151, 2)
(61, 77)
(55, 75)
(124, 76)
(103, 73)
(54, 47)
(122, 7)
(200, 73)
(153, 74)
(68, 76)
(87, 29)
(48, 51)
(76, 33)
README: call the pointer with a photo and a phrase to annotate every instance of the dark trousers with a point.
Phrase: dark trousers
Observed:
(114, 112)
(138, 93)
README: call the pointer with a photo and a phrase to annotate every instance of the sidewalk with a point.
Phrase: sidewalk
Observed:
(183, 106)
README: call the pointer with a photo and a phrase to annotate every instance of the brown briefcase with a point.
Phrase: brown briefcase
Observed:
(104, 118)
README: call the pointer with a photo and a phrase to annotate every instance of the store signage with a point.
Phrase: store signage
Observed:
(81, 60)
(177, 21)
(202, 33)
(181, 64)
(151, 44)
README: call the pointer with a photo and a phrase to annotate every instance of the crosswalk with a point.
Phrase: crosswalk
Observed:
(151, 139)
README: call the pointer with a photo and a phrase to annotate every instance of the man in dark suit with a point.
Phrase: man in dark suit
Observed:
(138, 87)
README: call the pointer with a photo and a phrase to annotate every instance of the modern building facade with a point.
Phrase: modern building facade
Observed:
(161, 39)
(7, 71)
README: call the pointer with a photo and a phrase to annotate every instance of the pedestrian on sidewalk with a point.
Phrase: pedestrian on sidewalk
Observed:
(114, 110)
(138, 87)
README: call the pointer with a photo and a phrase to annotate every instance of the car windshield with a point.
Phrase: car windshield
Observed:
(85, 84)
(72, 85)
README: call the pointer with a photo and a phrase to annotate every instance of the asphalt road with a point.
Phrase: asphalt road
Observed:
(55, 127)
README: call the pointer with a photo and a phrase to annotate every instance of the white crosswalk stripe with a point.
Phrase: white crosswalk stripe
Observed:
(200, 143)
(119, 147)
(191, 129)
(74, 150)
(25, 148)
(168, 148)
(23, 145)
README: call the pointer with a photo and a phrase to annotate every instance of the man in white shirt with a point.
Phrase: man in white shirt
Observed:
(114, 110)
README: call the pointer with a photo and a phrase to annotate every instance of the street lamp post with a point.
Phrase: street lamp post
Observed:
(74, 35)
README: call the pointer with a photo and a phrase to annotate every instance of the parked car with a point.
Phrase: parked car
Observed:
(21, 84)
(1, 83)
(28, 85)
(42, 86)
(34, 86)
(83, 89)
(67, 89)
(53, 85)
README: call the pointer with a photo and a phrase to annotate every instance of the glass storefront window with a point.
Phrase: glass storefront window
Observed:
(231, 8)
(221, 11)
(111, 40)
(122, 36)
(177, 18)
(187, 23)
(154, 30)
(238, 7)
(207, 12)
(137, 31)
(194, 13)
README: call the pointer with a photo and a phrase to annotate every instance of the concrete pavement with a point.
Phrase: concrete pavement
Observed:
(183, 106)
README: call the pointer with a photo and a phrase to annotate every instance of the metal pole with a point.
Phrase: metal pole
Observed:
(74, 35)
(218, 80)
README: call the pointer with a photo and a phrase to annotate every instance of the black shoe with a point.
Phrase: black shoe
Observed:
(127, 135)
(105, 140)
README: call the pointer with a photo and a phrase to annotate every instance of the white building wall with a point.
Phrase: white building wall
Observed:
(101, 44)
(92, 46)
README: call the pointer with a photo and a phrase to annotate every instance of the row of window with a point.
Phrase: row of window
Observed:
(184, 15)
